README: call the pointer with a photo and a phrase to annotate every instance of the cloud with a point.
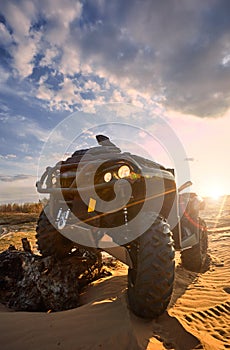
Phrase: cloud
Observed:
(5, 37)
(4, 75)
(23, 18)
(31, 128)
(8, 156)
(59, 17)
(176, 53)
(25, 126)
(13, 178)
(18, 188)
(180, 60)
(62, 99)
(23, 57)
(50, 56)
(18, 18)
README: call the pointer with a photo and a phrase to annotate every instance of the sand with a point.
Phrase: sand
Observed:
(198, 316)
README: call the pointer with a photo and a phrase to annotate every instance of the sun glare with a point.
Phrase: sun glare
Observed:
(215, 193)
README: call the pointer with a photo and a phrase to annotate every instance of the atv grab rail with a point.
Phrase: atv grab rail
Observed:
(185, 185)
(46, 179)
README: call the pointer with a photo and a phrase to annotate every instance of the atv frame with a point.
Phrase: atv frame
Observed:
(167, 219)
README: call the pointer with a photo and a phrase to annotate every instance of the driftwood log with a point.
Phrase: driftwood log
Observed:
(29, 282)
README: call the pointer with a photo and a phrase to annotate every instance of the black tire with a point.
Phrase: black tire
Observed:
(150, 282)
(194, 258)
(49, 240)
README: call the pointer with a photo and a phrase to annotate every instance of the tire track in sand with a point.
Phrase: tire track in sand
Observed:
(201, 301)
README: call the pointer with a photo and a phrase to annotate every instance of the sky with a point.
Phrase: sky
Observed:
(170, 59)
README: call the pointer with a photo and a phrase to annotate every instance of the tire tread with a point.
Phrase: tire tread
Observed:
(150, 293)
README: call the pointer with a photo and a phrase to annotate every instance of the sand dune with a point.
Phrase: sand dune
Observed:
(204, 308)
(102, 322)
(198, 316)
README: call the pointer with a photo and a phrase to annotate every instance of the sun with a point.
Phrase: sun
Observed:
(215, 193)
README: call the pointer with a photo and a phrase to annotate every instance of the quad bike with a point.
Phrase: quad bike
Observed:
(73, 219)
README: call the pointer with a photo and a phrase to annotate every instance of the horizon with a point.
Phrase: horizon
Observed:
(215, 200)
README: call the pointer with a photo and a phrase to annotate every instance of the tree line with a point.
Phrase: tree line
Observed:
(22, 207)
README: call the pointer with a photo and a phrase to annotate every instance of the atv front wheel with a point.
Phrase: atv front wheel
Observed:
(150, 281)
(49, 240)
(193, 259)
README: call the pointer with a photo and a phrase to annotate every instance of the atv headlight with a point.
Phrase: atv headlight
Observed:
(107, 177)
(124, 171)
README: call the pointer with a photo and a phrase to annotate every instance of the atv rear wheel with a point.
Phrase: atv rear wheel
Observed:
(150, 282)
(194, 258)
(49, 240)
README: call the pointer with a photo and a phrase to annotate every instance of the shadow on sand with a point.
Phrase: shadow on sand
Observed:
(165, 331)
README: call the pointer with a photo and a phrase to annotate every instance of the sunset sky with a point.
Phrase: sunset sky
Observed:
(170, 58)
